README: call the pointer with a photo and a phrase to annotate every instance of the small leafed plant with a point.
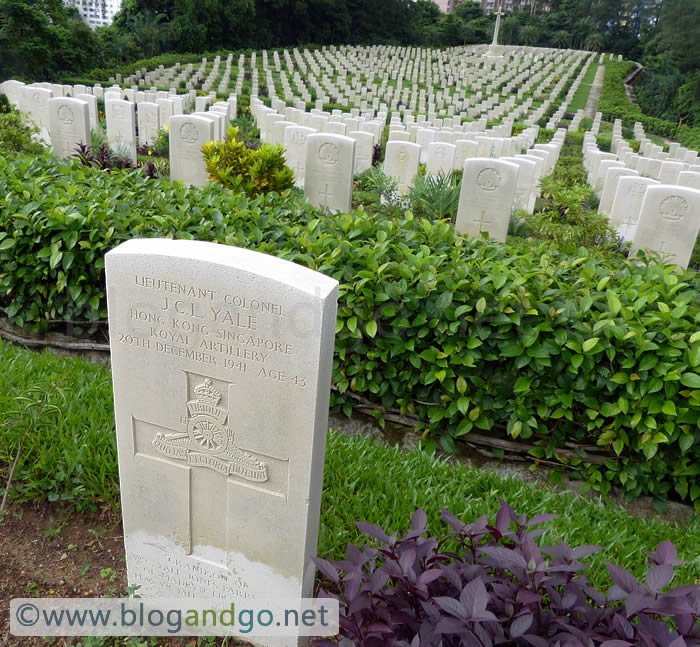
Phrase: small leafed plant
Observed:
(159, 145)
(435, 196)
(240, 168)
(490, 584)
(247, 131)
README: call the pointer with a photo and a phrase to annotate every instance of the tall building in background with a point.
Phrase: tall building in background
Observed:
(446, 6)
(508, 6)
(494, 5)
(96, 13)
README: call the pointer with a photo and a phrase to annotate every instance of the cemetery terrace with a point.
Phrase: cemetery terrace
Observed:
(431, 240)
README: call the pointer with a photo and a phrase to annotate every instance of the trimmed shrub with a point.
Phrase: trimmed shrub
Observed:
(568, 212)
(591, 363)
(614, 104)
(241, 168)
(491, 584)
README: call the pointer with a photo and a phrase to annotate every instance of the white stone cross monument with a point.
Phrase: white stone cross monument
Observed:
(492, 51)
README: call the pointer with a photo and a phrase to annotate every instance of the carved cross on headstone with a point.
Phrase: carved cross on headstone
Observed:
(326, 194)
(211, 464)
(664, 250)
(482, 220)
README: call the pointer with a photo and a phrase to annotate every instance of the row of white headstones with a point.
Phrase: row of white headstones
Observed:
(331, 185)
(65, 124)
(442, 144)
(324, 163)
(463, 74)
(652, 200)
(66, 121)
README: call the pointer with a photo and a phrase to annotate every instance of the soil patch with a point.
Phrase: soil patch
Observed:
(47, 552)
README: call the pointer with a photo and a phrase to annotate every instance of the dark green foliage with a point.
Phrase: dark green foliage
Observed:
(378, 193)
(604, 143)
(614, 104)
(247, 131)
(16, 136)
(568, 213)
(5, 106)
(520, 341)
(436, 197)
(544, 136)
(567, 219)
(161, 143)
(42, 38)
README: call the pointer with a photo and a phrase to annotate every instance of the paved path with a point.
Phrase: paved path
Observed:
(592, 103)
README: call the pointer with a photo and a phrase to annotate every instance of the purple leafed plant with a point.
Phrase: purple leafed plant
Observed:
(102, 158)
(490, 584)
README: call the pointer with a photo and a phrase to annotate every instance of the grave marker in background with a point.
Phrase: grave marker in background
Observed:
(69, 125)
(401, 162)
(328, 171)
(187, 135)
(121, 127)
(486, 197)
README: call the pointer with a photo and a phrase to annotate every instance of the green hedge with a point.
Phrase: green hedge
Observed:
(520, 341)
(614, 104)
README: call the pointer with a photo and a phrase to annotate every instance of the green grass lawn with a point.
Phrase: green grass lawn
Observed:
(581, 97)
(71, 459)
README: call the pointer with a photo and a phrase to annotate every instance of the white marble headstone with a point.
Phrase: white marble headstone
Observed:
(34, 102)
(441, 158)
(627, 204)
(328, 172)
(187, 135)
(295, 150)
(486, 197)
(91, 100)
(221, 365)
(121, 127)
(689, 179)
(669, 222)
(526, 185)
(364, 150)
(401, 162)
(149, 122)
(69, 125)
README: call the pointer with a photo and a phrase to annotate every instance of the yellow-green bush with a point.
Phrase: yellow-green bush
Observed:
(250, 171)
